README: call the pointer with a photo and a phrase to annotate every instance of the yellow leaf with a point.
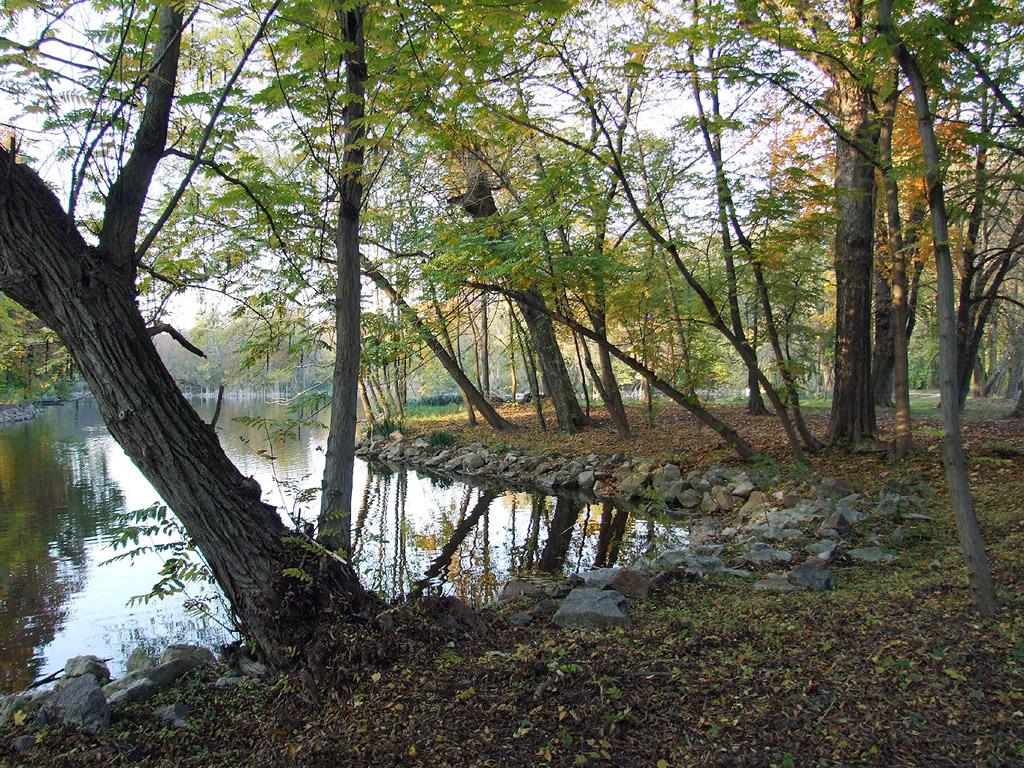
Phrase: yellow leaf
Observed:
(412, 751)
(19, 717)
(663, 764)
(375, 677)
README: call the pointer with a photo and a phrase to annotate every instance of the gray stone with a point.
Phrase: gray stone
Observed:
(145, 682)
(592, 609)
(707, 504)
(851, 514)
(140, 658)
(517, 588)
(87, 665)
(521, 619)
(80, 704)
(176, 714)
(833, 488)
(871, 555)
(756, 506)
(596, 578)
(886, 507)
(586, 479)
(665, 475)
(743, 489)
(897, 538)
(472, 461)
(26, 703)
(704, 565)
(814, 573)
(775, 582)
(723, 499)
(23, 743)
(193, 655)
(632, 484)
(822, 549)
(229, 682)
(669, 559)
(688, 498)
(629, 583)
(759, 552)
(834, 525)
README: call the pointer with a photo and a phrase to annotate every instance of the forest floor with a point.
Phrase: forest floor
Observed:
(890, 668)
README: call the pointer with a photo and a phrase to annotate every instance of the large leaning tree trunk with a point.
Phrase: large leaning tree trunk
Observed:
(983, 596)
(87, 296)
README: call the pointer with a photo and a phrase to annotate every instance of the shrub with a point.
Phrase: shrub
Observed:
(441, 438)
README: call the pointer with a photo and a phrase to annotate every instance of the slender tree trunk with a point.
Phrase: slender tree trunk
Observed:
(983, 595)
(853, 403)
(530, 366)
(365, 399)
(335, 520)
(485, 351)
(491, 416)
(884, 359)
(899, 321)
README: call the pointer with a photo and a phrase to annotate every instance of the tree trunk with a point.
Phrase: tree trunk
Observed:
(899, 320)
(471, 393)
(485, 351)
(983, 595)
(569, 415)
(84, 295)
(334, 522)
(884, 356)
(853, 403)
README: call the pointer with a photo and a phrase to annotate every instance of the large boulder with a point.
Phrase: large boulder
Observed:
(79, 703)
(140, 658)
(143, 683)
(629, 583)
(592, 609)
(597, 578)
(193, 655)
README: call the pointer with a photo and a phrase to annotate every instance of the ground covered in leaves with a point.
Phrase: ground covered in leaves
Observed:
(889, 669)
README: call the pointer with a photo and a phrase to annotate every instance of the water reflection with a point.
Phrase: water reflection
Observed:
(64, 482)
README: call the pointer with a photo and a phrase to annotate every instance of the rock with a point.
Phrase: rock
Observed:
(756, 506)
(23, 743)
(592, 609)
(743, 489)
(629, 583)
(704, 565)
(762, 552)
(26, 703)
(775, 582)
(229, 681)
(814, 573)
(521, 619)
(617, 458)
(789, 499)
(632, 484)
(897, 538)
(833, 488)
(396, 435)
(455, 613)
(472, 461)
(80, 704)
(544, 608)
(176, 714)
(871, 555)
(145, 682)
(822, 549)
(688, 498)
(520, 588)
(140, 658)
(834, 525)
(87, 665)
(722, 498)
(707, 504)
(586, 479)
(596, 578)
(669, 559)
(193, 655)
(886, 507)
(851, 514)
(664, 476)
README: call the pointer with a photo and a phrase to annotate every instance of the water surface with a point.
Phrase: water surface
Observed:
(65, 483)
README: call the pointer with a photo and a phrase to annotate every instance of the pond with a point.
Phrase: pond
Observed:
(65, 485)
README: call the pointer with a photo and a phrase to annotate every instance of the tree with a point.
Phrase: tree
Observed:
(982, 592)
(279, 591)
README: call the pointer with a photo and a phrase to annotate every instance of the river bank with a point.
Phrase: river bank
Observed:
(888, 667)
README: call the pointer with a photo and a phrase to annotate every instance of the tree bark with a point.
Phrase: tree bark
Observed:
(983, 595)
(335, 520)
(84, 294)
(853, 405)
